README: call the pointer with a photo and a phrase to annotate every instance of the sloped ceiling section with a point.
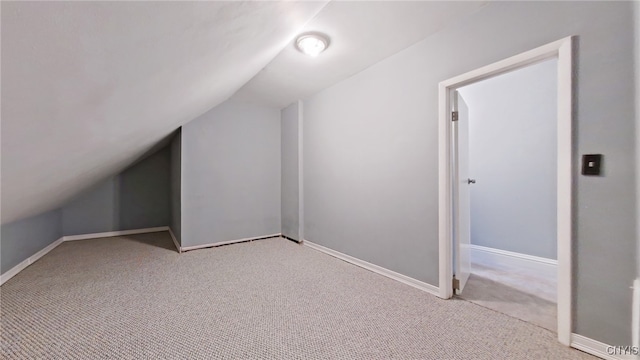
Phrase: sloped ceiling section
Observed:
(361, 34)
(88, 87)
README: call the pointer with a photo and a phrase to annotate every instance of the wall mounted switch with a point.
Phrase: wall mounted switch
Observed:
(591, 164)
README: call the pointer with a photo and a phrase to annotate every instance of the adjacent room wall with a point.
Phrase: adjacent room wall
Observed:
(24, 238)
(289, 173)
(371, 150)
(231, 174)
(513, 158)
(175, 222)
(637, 95)
(137, 198)
(636, 341)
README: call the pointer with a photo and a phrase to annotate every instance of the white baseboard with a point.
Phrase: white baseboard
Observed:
(220, 243)
(30, 260)
(175, 241)
(114, 233)
(599, 349)
(513, 260)
(375, 268)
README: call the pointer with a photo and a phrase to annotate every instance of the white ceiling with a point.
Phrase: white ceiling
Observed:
(88, 87)
(361, 33)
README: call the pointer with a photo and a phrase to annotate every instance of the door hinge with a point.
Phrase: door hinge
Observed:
(456, 284)
(454, 116)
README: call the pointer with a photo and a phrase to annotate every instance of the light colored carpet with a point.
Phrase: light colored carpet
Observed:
(525, 280)
(136, 298)
(511, 301)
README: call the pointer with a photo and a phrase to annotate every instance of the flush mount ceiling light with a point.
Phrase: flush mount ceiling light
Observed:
(312, 44)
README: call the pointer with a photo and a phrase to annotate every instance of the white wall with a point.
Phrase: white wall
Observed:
(371, 150)
(513, 158)
(231, 174)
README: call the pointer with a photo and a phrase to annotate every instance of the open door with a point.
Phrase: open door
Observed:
(461, 198)
(451, 250)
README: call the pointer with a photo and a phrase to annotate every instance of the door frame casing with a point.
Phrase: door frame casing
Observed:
(563, 51)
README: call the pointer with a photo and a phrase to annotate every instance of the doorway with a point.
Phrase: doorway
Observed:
(455, 247)
(505, 145)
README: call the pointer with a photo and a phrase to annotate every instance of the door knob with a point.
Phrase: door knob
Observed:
(471, 181)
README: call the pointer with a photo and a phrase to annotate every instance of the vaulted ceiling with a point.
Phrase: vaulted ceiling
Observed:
(89, 87)
(361, 34)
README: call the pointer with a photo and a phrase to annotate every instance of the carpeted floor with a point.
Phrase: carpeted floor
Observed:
(511, 301)
(544, 286)
(136, 298)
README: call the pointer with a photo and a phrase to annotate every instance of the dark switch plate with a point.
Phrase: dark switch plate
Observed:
(591, 164)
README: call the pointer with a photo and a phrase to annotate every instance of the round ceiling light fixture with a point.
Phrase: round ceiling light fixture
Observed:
(312, 44)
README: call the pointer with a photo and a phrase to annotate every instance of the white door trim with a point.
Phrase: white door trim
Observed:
(563, 50)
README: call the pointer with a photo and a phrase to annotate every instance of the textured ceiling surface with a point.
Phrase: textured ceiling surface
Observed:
(89, 87)
(361, 34)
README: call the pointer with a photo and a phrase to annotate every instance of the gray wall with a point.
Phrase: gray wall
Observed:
(371, 150)
(175, 222)
(289, 173)
(513, 157)
(23, 238)
(637, 47)
(96, 210)
(231, 174)
(137, 198)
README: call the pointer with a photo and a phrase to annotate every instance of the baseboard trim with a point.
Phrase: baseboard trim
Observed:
(375, 268)
(291, 239)
(547, 267)
(115, 233)
(30, 260)
(175, 240)
(220, 243)
(598, 348)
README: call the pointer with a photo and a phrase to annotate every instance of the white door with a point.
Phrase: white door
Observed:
(461, 198)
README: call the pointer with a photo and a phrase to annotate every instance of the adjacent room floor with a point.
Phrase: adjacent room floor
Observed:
(136, 297)
(517, 292)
